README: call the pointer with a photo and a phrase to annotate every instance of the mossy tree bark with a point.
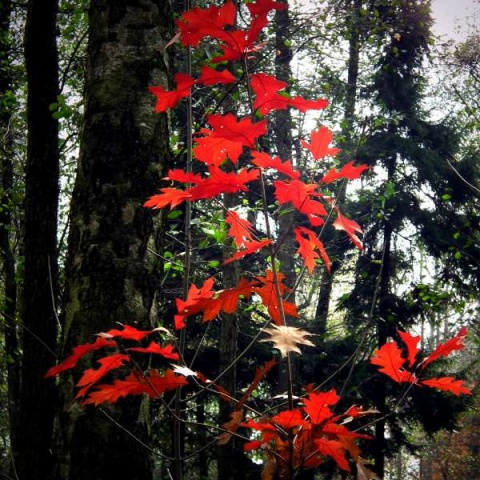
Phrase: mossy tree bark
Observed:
(111, 276)
(9, 302)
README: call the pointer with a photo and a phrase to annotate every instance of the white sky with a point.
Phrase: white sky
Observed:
(454, 18)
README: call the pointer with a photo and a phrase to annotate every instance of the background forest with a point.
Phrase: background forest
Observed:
(81, 150)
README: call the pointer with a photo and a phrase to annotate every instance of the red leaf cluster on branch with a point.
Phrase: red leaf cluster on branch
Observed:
(402, 368)
(229, 161)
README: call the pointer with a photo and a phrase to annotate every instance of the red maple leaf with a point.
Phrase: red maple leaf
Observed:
(249, 248)
(289, 419)
(219, 182)
(240, 230)
(214, 151)
(197, 299)
(158, 384)
(184, 177)
(227, 138)
(216, 183)
(263, 7)
(156, 349)
(334, 449)
(299, 195)
(389, 358)
(238, 44)
(411, 343)
(227, 300)
(267, 292)
(308, 243)
(212, 303)
(350, 226)
(264, 160)
(260, 426)
(153, 384)
(266, 88)
(320, 141)
(243, 131)
(198, 23)
(128, 333)
(348, 171)
(304, 105)
(444, 349)
(92, 375)
(260, 373)
(111, 392)
(169, 99)
(316, 405)
(448, 384)
(168, 196)
(78, 352)
(210, 76)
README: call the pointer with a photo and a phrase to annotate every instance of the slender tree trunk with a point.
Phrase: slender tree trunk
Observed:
(37, 396)
(383, 332)
(9, 308)
(282, 130)
(111, 276)
(327, 280)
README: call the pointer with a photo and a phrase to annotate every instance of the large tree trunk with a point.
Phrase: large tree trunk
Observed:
(37, 396)
(111, 276)
(9, 307)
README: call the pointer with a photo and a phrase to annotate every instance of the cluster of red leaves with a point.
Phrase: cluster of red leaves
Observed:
(210, 303)
(403, 366)
(118, 359)
(305, 436)
(294, 438)
(230, 137)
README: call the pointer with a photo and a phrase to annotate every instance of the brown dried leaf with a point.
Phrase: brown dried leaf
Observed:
(287, 339)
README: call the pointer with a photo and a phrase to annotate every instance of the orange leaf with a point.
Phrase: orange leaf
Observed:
(219, 182)
(260, 373)
(243, 131)
(167, 197)
(289, 419)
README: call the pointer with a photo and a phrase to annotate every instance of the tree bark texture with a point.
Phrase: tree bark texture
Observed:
(40, 243)
(9, 307)
(111, 276)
